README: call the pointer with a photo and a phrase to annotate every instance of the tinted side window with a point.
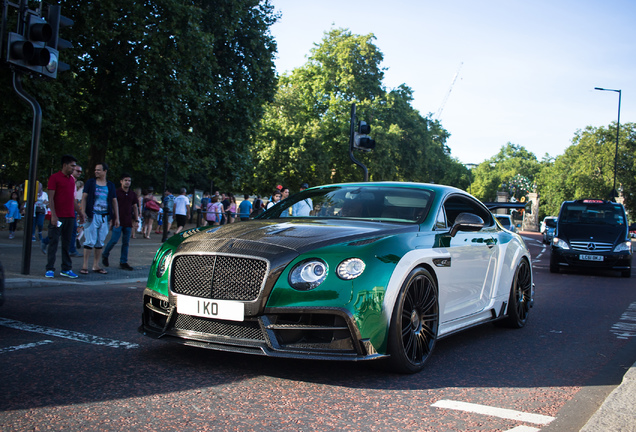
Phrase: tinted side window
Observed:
(457, 204)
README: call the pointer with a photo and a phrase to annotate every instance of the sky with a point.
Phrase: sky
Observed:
(524, 72)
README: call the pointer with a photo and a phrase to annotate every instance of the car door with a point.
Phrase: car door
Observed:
(466, 285)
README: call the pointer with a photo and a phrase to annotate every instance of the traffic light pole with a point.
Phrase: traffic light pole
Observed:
(352, 133)
(35, 143)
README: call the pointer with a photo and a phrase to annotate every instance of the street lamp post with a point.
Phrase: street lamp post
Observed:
(618, 127)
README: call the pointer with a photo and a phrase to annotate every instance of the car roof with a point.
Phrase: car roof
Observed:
(428, 186)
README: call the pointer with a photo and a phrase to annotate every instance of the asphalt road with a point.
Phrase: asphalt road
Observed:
(71, 359)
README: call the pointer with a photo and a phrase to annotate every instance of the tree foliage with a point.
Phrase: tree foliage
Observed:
(586, 169)
(150, 80)
(304, 135)
(513, 169)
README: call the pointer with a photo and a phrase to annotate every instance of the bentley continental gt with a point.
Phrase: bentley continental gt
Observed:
(356, 271)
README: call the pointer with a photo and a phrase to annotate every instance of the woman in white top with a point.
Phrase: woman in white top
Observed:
(275, 199)
(39, 210)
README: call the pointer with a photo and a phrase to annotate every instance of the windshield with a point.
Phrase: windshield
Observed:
(598, 214)
(381, 203)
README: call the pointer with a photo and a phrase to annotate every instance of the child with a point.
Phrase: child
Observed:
(13, 213)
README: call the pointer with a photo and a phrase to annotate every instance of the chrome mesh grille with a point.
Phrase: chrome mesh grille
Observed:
(590, 246)
(218, 277)
(249, 330)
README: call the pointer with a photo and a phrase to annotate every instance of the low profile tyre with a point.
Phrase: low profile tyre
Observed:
(520, 296)
(414, 323)
(627, 273)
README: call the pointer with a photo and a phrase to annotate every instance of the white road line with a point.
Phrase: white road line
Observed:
(496, 412)
(523, 429)
(625, 329)
(67, 334)
(538, 257)
(25, 346)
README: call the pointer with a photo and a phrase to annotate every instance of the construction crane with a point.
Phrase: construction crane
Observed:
(438, 114)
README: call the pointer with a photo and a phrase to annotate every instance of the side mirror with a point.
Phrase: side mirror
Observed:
(466, 222)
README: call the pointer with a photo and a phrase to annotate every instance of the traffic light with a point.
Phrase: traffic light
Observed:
(361, 140)
(57, 22)
(29, 51)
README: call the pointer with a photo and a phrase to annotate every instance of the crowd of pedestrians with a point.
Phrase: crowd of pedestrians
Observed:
(82, 214)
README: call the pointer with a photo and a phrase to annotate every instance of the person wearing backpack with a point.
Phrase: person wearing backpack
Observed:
(211, 210)
(204, 206)
(150, 212)
(168, 206)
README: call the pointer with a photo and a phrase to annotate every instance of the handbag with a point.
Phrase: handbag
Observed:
(153, 205)
(10, 219)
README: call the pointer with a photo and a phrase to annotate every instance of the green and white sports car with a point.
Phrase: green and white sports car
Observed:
(355, 271)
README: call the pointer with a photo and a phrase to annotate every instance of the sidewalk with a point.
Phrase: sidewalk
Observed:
(615, 414)
(140, 255)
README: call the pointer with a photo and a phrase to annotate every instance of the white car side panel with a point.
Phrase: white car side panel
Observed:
(495, 290)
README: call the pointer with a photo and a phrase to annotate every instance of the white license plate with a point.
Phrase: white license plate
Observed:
(218, 309)
(591, 257)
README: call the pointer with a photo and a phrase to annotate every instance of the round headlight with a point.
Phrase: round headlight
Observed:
(164, 263)
(350, 268)
(308, 274)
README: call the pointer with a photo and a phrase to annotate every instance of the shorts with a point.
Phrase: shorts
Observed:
(95, 232)
(181, 220)
(150, 214)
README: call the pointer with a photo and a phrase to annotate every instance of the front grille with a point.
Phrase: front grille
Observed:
(249, 330)
(590, 246)
(218, 277)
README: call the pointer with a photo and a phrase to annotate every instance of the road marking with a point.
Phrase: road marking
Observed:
(523, 429)
(25, 346)
(538, 257)
(626, 327)
(496, 412)
(67, 334)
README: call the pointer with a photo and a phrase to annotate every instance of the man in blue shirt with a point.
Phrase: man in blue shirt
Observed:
(245, 208)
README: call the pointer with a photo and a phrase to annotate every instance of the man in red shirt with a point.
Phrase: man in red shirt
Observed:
(63, 205)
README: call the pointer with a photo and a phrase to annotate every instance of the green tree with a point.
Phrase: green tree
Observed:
(513, 165)
(150, 80)
(586, 169)
(304, 135)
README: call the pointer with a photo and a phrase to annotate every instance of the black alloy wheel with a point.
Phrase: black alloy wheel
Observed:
(520, 296)
(415, 323)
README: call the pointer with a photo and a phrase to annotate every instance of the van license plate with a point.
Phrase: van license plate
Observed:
(591, 257)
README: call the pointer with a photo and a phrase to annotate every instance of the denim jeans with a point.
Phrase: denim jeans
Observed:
(39, 224)
(125, 242)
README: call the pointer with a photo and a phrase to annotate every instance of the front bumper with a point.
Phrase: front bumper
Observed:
(309, 333)
(572, 258)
